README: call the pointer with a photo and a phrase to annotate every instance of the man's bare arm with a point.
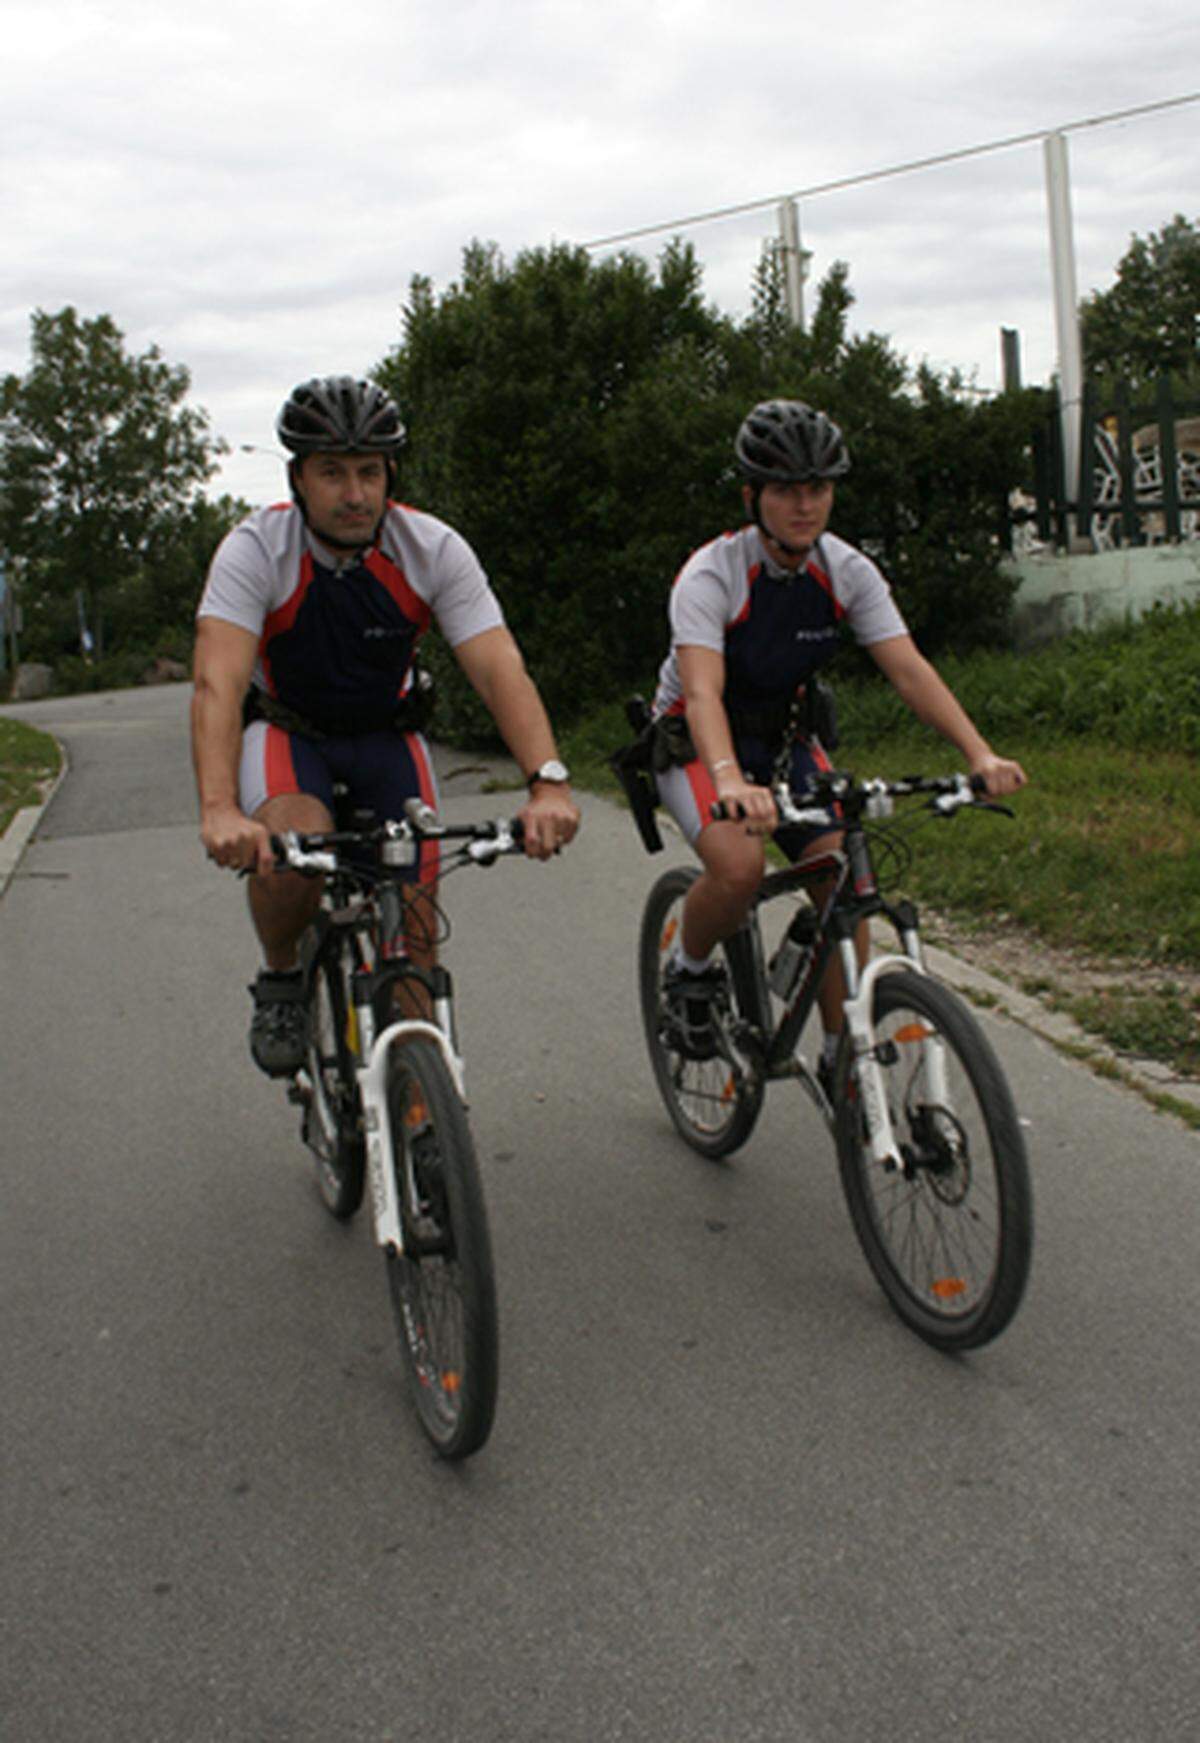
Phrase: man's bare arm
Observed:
(222, 667)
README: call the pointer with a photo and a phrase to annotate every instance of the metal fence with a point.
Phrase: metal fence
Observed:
(1139, 480)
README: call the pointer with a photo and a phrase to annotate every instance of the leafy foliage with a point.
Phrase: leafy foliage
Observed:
(1148, 323)
(101, 466)
(1134, 686)
(548, 404)
(574, 419)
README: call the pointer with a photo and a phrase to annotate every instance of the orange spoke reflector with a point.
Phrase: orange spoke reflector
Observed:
(451, 1381)
(729, 1091)
(668, 937)
(913, 1032)
(947, 1288)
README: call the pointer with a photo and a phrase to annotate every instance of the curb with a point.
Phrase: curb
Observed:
(21, 830)
(1145, 1075)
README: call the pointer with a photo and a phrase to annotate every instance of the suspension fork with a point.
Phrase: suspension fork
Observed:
(860, 1025)
(374, 1047)
(904, 918)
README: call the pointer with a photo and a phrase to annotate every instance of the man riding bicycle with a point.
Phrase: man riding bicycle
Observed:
(755, 615)
(304, 676)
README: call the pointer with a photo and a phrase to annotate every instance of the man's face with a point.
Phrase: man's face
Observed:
(796, 513)
(344, 495)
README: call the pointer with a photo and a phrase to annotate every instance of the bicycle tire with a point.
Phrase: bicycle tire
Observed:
(949, 1232)
(442, 1286)
(713, 1108)
(335, 1107)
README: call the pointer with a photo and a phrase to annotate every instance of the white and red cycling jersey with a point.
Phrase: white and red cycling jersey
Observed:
(337, 634)
(775, 627)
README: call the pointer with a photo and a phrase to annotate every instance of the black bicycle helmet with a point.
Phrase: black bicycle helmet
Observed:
(784, 441)
(336, 414)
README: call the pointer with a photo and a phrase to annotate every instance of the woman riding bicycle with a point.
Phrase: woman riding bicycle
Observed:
(754, 617)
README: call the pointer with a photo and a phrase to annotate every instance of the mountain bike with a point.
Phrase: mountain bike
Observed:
(383, 1103)
(930, 1150)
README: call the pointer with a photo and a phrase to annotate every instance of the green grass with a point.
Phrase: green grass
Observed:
(28, 761)
(1102, 853)
(1101, 858)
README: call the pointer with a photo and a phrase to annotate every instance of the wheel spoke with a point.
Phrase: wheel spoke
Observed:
(946, 1231)
(331, 1120)
(712, 1106)
(442, 1285)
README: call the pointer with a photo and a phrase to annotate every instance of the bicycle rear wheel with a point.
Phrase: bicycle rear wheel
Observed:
(332, 1122)
(713, 1107)
(443, 1285)
(947, 1229)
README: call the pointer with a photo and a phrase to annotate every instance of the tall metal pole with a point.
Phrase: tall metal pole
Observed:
(1066, 307)
(795, 261)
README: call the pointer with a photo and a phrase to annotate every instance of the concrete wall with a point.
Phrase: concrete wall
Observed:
(1059, 593)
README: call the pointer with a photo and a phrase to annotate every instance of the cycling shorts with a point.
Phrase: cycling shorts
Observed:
(689, 792)
(380, 770)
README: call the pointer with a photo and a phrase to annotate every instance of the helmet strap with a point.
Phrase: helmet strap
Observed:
(756, 514)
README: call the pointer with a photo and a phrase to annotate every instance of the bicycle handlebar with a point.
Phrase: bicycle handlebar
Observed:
(871, 799)
(398, 840)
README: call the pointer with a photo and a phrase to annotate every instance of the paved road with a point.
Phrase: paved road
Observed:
(728, 1497)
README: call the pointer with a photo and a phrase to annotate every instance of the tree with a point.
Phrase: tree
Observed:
(575, 420)
(932, 463)
(1148, 323)
(565, 414)
(101, 465)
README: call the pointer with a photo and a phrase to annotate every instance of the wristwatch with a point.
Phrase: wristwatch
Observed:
(553, 771)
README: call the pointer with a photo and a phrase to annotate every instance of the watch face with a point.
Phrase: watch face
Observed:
(551, 771)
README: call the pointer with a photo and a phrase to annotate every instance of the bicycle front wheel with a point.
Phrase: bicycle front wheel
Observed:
(947, 1225)
(332, 1123)
(713, 1106)
(443, 1285)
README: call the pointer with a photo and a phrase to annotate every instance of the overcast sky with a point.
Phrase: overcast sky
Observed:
(251, 185)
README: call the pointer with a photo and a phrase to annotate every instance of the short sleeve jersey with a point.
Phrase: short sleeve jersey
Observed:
(775, 628)
(336, 639)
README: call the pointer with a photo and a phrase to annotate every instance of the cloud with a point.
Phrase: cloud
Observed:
(252, 188)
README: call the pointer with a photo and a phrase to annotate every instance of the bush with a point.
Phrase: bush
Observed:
(1135, 686)
(574, 419)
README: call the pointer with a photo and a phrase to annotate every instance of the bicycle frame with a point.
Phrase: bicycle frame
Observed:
(929, 1148)
(371, 1047)
(854, 898)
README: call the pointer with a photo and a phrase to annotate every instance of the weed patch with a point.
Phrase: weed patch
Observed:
(29, 761)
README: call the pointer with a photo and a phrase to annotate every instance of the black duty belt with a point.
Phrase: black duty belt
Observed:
(410, 714)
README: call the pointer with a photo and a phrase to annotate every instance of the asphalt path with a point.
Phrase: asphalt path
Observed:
(728, 1496)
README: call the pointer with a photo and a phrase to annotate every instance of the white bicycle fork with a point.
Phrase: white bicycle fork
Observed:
(861, 1025)
(381, 1151)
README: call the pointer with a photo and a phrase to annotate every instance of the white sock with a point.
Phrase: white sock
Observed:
(690, 964)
